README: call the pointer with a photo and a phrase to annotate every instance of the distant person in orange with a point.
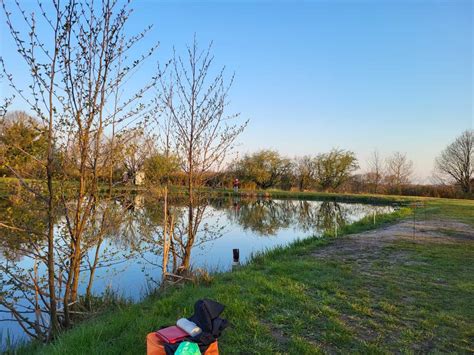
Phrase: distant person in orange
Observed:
(236, 185)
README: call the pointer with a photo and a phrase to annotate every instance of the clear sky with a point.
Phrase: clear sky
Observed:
(359, 75)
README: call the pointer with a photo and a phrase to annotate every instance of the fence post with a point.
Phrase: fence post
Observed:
(235, 257)
(414, 221)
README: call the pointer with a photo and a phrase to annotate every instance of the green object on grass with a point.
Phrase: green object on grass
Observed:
(188, 348)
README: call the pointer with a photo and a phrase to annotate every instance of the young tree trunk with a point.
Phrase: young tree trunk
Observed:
(166, 241)
(49, 173)
(50, 255)
(186, 262)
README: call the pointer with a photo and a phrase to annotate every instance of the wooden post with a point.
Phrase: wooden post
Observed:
(414, 221)
(236, 256)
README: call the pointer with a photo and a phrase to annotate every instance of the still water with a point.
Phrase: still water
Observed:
(128, 258)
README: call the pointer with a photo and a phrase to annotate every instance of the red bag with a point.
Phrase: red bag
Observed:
(172, 334)
(155, 347)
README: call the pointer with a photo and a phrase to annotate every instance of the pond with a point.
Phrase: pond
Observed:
(127, 260)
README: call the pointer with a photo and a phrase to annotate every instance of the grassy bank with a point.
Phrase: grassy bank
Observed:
(288, 301)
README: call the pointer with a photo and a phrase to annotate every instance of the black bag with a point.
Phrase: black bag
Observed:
(206, 316)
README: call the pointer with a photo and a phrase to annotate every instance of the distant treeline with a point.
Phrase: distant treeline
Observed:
(333, 171)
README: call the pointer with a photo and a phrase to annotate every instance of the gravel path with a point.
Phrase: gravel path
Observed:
(369, 244)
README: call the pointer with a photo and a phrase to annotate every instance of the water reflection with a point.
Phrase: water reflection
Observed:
(266, 217)
(124, 241)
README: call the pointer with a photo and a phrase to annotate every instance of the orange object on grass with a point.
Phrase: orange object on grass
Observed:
(155, 347)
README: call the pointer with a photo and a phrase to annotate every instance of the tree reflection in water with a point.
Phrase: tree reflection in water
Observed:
(262, 216)
(24, 295)
(267, 217)
(142, 233)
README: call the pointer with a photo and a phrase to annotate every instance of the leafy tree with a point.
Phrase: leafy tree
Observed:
(334, 168)
(456, 162)
(159, 167)
(267, 168)
(23, 144)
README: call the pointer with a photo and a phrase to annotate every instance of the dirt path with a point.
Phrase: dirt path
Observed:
(377, 257)
(368, 245)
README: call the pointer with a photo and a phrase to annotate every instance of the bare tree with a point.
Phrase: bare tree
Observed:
(169, 215)
(43, 94)
(305, 172)
(196, 102)
(136, 146)
(399, 170)
(6, 101)
(76, 60)
(374, 174)
(456, 162)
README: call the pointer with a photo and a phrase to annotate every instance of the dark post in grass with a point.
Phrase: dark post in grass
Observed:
(414, 222)
(415, 206)
(236, 256)
(235, 259)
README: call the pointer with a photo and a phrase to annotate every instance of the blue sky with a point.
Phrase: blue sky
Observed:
(359, 75)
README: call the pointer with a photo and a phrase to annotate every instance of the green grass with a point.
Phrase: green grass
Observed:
(461, 210)
(288, 301)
